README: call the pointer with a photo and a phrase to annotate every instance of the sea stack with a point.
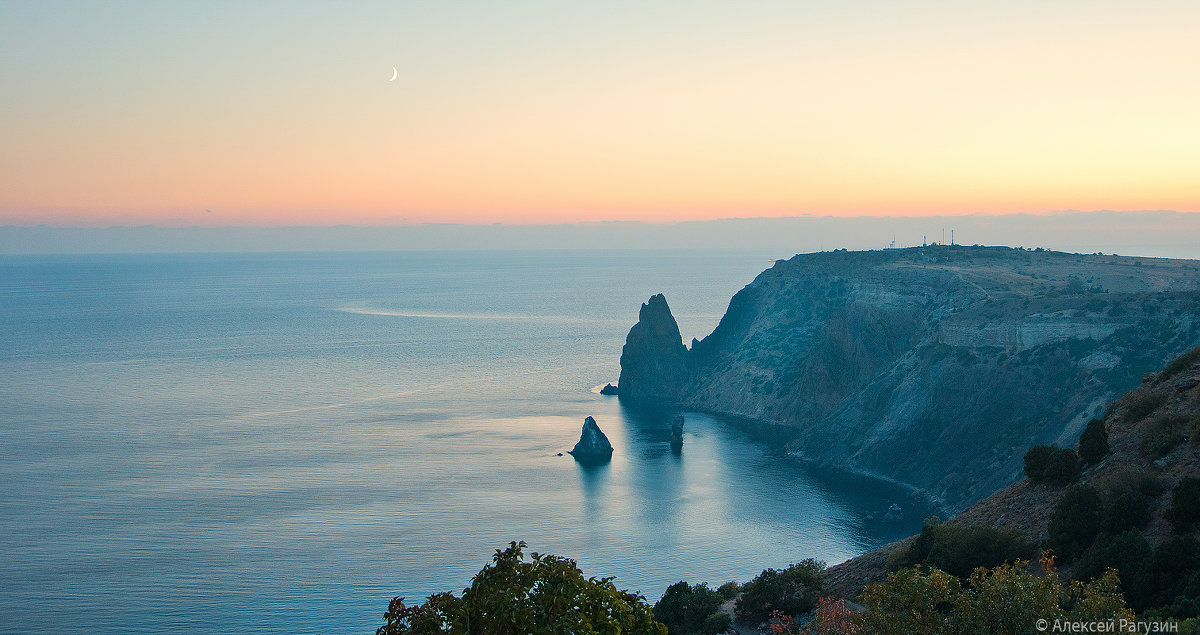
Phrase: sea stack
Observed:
(593, 446)
(654, 361)
(677, 434)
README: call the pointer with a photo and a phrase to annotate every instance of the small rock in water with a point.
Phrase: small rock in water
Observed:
(593, 446)
(894, 514)
(677, 433)
(608, 389)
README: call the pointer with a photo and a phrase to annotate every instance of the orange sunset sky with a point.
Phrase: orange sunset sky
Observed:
(546, 112)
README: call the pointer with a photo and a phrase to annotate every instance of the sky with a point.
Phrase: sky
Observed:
(283, 114)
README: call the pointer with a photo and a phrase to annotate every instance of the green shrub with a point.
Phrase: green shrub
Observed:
(793, 591)
(717, 623)
(1008, 599)
(1184, 511)
(684, 609)
(1130, 510)
(1126, 552)
(1165, 574)
(1075, 521)
(1048, 464)
(1179, 364)
(1161, 434)
(1140, 407)
(1093, 443)
(958, 549)
(513, 596)
(729, 590)
(910, 602)
(1150, 486)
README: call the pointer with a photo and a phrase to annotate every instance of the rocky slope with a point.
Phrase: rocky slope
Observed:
(1167, 399)
(936, 367)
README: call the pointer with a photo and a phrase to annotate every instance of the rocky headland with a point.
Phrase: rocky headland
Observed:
(936, 367)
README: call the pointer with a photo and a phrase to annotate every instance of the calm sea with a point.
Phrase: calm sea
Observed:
(283, 442)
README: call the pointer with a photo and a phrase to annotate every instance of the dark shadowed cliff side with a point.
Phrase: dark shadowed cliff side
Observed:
(654, 361)
(1164, 407)
(936, 367)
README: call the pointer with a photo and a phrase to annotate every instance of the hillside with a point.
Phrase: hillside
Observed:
(1154, 439)
(936, 367)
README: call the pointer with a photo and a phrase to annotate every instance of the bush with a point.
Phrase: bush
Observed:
(1007, 599)
(1185, 505)
(958, 549)
(1048, 464)
(1179, 364)
(729, 590)
(512, 596)
(1150, 486)
(1166, 573)
(1126, 552)
(910, 602)
(1075, 522)
(1130, 510)
(718, 622)
(684, 609)
(1093, 443)
(793, 591)
(1140, 407)
(1161, 434)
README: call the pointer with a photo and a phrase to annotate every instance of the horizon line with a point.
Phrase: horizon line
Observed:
(584, 223)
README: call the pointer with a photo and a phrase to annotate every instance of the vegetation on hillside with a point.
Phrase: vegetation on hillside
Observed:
(958, 549)
(691, 610)
(1048, 464)
(1093, 443)
(792, 591)
(512, 596)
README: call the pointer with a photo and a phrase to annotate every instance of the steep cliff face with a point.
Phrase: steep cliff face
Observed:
(937, 367)
(1166, 400)
(654, 361)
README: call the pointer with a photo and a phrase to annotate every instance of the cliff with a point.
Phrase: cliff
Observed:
(1152, 438)
(654, 361)
(937, 367)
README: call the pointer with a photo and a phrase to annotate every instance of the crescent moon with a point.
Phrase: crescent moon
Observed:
(395, 74)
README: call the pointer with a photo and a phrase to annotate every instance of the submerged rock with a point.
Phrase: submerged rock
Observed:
(677, 433)
(593, 446)
(608, 389)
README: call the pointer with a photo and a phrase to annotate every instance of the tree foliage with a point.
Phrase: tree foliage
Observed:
(1048, 464)
(1130, 510)
(691, 610)
(1093, 443)
(1075, 522)
(1007, 599)
(793, 591)
(544, 595)
(1126, 552)
(958, 549)
(1184, 511)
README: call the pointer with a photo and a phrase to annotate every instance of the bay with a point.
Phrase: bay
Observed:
(283, 442)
